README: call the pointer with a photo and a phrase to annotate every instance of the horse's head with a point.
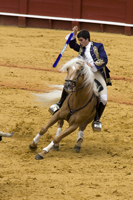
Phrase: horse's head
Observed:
(78, 74)
(74, 76)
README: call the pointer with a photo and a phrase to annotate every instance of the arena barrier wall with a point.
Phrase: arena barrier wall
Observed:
(114, 16)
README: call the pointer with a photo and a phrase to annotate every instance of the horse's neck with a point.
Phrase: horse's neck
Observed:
(83, 93)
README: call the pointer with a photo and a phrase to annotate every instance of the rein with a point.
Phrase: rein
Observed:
(73, 82)
(82, 87)
(73, 111)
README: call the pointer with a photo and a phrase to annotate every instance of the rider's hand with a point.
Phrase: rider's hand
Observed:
(89, 65)
(75, 29)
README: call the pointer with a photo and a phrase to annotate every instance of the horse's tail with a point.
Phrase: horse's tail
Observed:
(50, 97)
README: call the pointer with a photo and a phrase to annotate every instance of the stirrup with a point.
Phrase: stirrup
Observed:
(54, 108)
(96, 126)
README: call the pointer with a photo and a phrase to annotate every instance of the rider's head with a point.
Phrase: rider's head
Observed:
(83, 37)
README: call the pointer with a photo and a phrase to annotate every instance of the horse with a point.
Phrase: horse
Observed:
(78, 109)
(2, 134)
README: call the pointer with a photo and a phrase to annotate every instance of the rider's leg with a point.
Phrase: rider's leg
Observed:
(103, 101)
(55, 107)
(63, 97)
(101, 107)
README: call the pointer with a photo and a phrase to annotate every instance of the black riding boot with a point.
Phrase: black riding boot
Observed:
(55, 107)
(100, 110)
(0, 138)
(97, 125)
(63, 97)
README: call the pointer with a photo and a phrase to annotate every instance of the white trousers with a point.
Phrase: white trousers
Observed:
(103, 93)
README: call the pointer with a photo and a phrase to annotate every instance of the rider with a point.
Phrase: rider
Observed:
(96, 58)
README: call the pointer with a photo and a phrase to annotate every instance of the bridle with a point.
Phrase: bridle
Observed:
(73, 82)
(74, 85)
(73, 111)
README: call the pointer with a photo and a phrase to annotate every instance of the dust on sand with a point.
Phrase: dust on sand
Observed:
(104, 167)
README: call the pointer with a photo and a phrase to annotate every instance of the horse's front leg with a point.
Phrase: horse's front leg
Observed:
(56, 140)
(43, 130)
(58, 132)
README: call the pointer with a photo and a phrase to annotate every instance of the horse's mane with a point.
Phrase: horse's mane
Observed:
(88, 74)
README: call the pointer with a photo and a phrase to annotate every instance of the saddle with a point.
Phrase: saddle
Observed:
(99, 85)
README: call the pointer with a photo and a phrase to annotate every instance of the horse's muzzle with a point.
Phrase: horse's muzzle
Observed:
(69, 85)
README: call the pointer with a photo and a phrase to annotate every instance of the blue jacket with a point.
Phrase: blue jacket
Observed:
(98, 55)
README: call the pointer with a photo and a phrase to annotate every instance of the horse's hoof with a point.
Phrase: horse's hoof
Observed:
(31, 147)
(38, 157)
(77, 148)
(56, 148)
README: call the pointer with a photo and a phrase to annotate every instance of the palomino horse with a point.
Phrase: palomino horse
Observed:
(78, 109)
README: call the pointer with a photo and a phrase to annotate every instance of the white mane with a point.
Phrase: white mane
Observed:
(88, 74)
(54, 96)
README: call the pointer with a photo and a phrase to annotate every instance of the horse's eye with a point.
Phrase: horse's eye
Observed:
(78, 71)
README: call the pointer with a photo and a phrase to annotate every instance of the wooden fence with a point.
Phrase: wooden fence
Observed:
(113, 16)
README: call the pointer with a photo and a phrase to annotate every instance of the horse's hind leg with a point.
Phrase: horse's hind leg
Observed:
(77, 147)
(79, 141)
(43, 130)
(58, 132)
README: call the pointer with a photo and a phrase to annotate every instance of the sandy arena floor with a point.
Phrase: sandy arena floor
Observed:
(103, 169)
